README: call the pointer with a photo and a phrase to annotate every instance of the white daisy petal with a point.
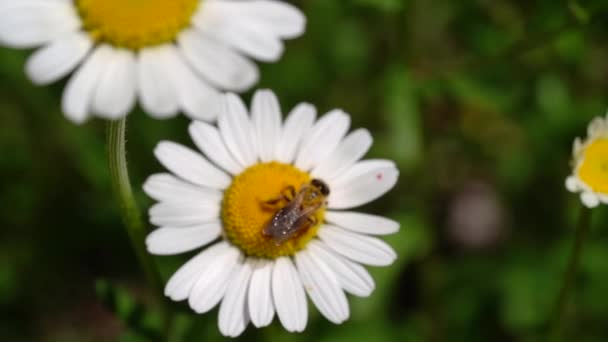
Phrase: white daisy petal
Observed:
(249, 37)
(213, 280)
(577, 146)
(589, 199)
(217, 63)
(350, 150)
(165, 187)
(171, 240)
(115, 93)
(353, 277)
(363, 183)
(176, 214)
(190, 165)
(237, 131)
(181, 282)
(288, 295)
(197, 99)
(261, 308)
(360, 248)
(59, 58)
(207, 138)
(362, 223)
(276, 17)
(255, 42)
(78, 94)
(27, 24)
(322, 287)
(233, 316)
(282, 18)
(298, 123)
(323, 139)
(156, 92)
(266, 118)
(360, 168)
(596, 128)
(572, 184)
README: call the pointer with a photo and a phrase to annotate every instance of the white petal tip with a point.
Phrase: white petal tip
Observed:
(590, 200)
(572, 184)
(76, 118)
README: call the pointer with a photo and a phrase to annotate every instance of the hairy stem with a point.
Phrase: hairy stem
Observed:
(129, 211)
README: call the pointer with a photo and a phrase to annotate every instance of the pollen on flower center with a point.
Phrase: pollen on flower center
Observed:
(593, 168)
(135, 24)
(245, 213)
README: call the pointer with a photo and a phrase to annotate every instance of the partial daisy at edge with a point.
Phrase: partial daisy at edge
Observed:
(589, 175)
(170, 56)
(212, 201)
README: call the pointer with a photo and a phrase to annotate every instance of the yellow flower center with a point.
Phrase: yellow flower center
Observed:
(593, 169)
(246, 209)
(135, 24)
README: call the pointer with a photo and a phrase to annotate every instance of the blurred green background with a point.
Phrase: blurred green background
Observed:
(478, 101)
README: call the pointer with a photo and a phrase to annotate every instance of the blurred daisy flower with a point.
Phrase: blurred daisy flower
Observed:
(268, 197)
(173, 55)
(590, 165)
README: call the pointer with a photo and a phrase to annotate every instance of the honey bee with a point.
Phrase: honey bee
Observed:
(298, 215)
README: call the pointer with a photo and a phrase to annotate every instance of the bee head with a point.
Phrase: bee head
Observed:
(319, 184)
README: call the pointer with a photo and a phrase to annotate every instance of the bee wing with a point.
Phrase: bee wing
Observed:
(281, 226)
(310, 210)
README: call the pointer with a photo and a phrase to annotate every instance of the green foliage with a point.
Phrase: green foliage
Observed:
(389, 6)
(476, 101)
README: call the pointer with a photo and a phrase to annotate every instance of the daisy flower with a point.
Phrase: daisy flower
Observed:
(590, 165)
(171, 55)
(229, 196)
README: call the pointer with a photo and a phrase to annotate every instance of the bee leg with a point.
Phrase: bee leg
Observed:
(312, 221)
(289, 193)
(273, 204)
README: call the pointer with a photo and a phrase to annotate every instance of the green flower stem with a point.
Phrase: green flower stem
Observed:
(130, 212)
(559, 310)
